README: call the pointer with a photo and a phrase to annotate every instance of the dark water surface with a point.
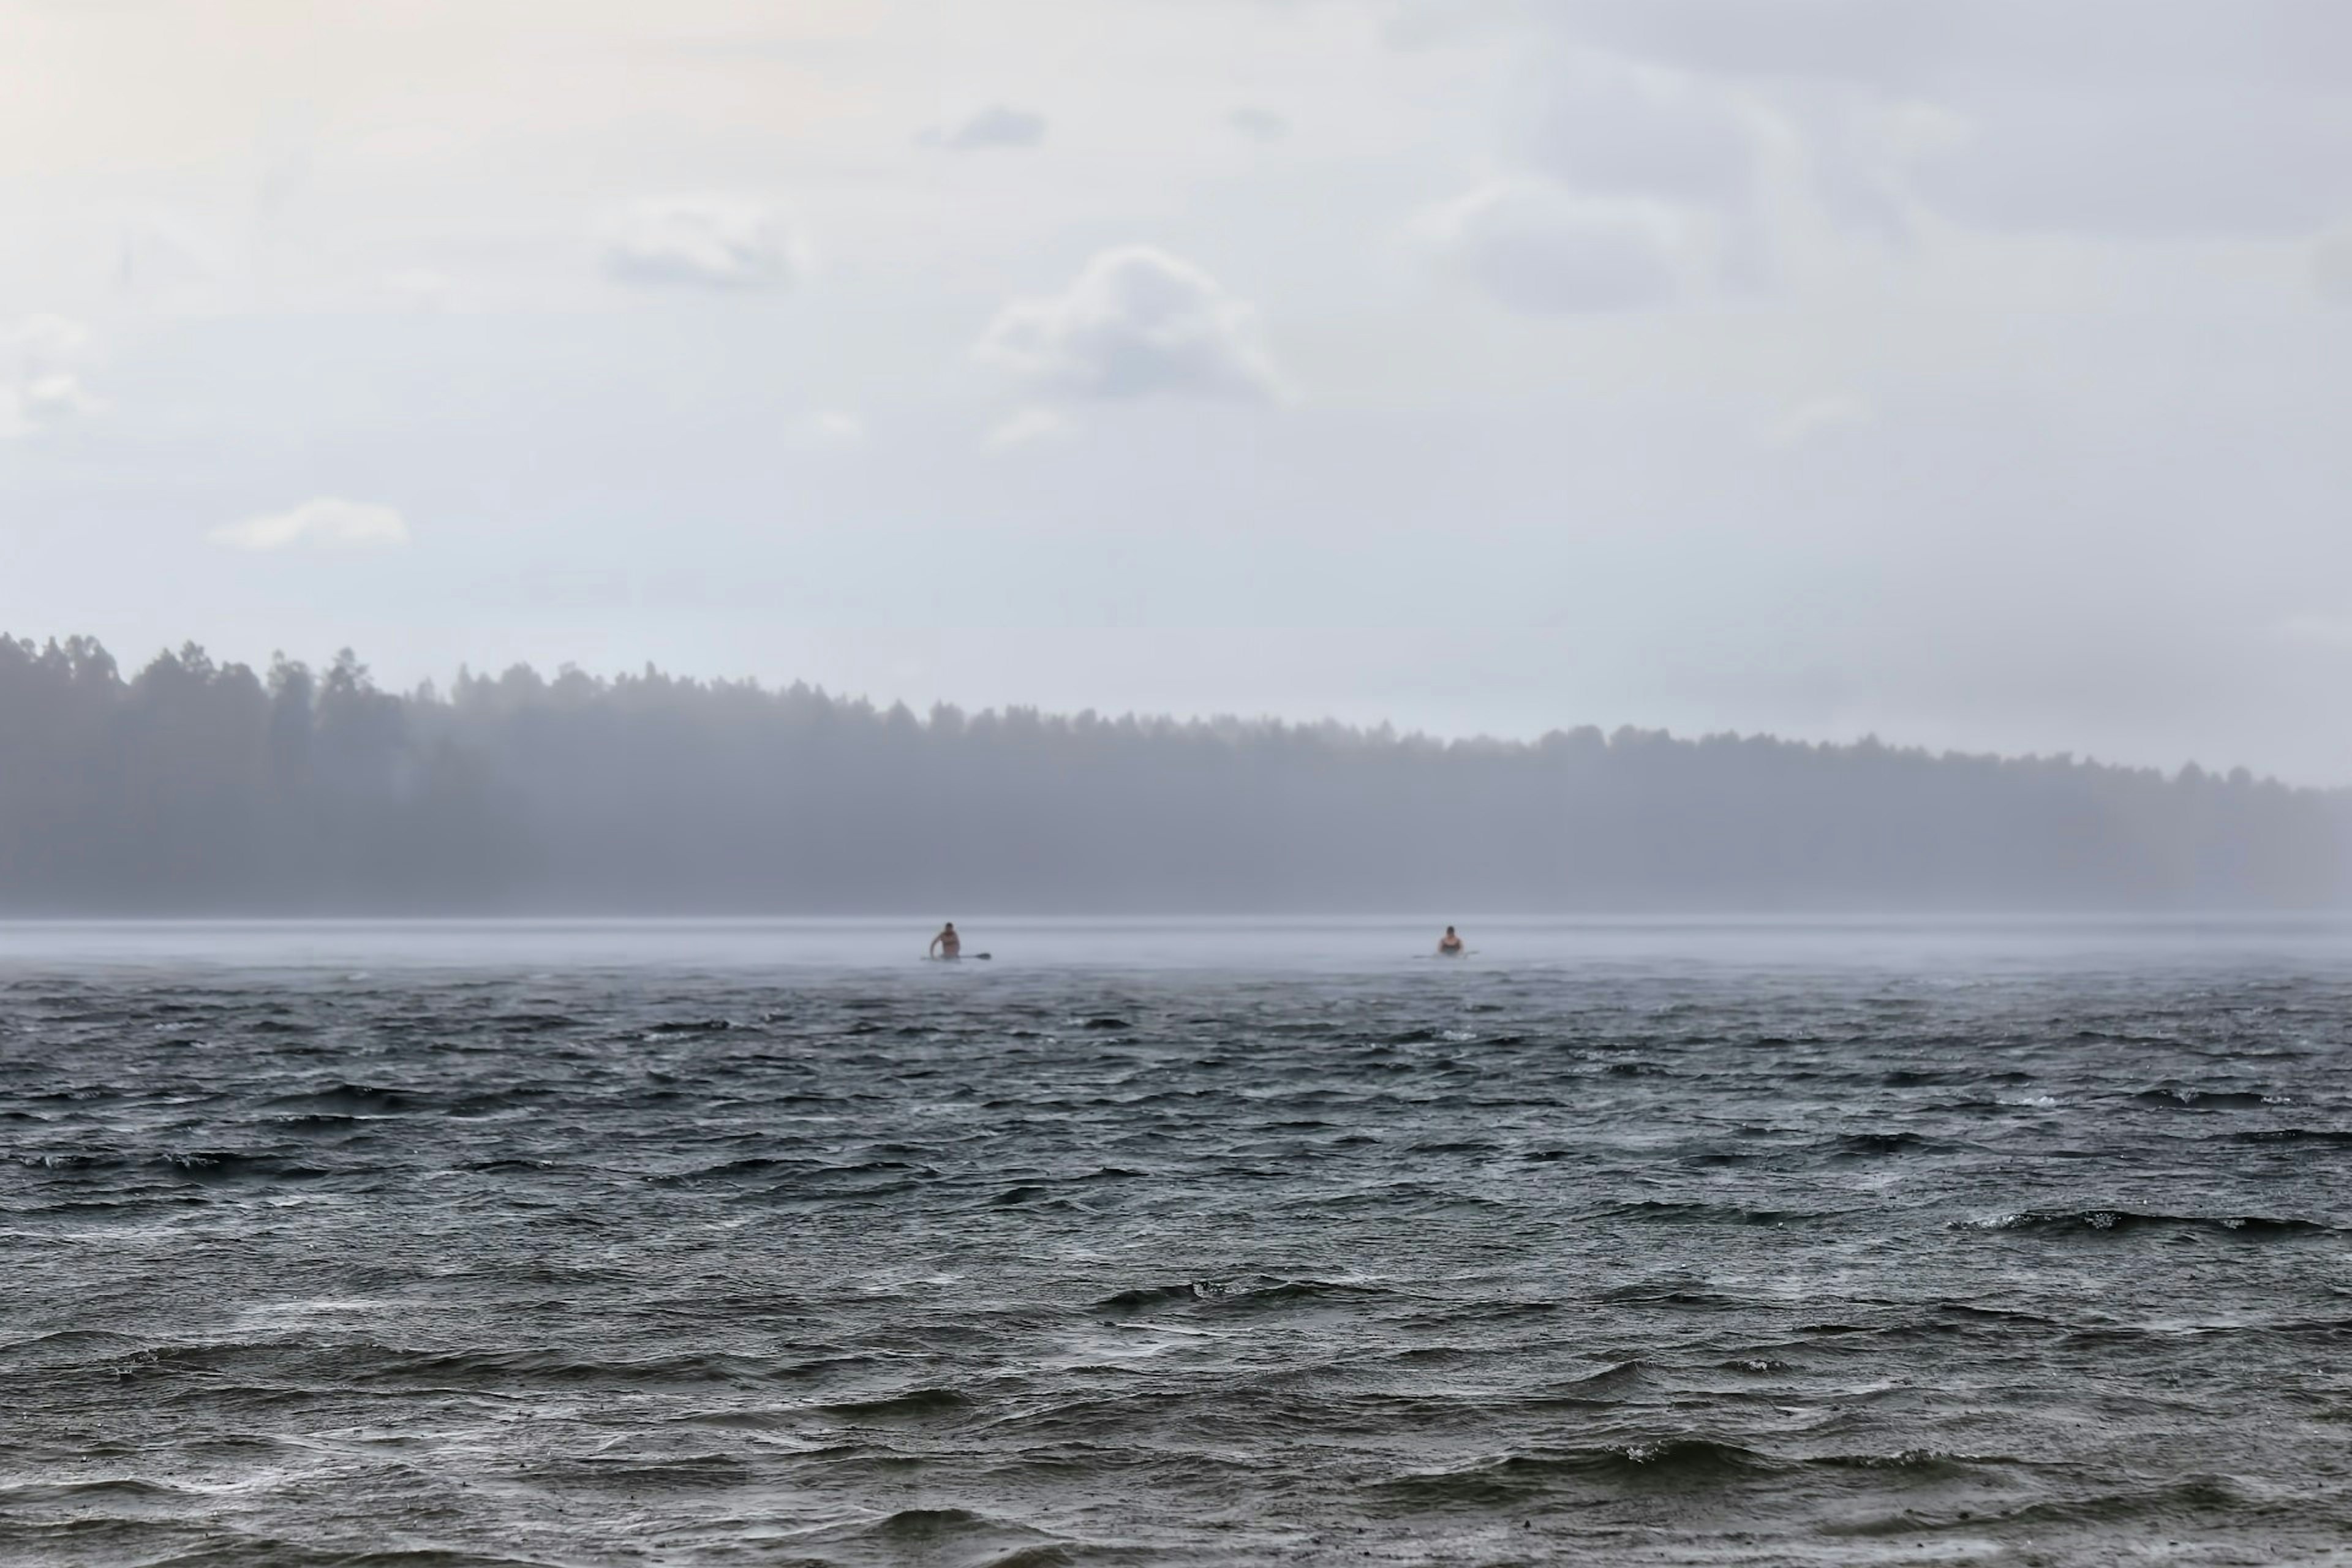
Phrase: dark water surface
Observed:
(1697, 1245)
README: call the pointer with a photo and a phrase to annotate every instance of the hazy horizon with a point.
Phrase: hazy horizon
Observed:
(189, 786)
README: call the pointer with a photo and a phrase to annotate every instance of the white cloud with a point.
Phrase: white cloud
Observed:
(707, 241)
(1811, 420)
(995, 126)
(1258, 124)
(2134, 119)
(37, 404)
(2151, 164)
(46, 342)
(1136, 321)
(1030, 427)
(41, 384)
(1534, 248)
(328, 522)
(2331, 265)
(1935, 44)
(830, 427)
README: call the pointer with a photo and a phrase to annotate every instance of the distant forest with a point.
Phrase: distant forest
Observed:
(193, 787)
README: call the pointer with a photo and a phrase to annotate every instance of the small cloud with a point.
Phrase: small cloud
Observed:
(1539, 249)
(328, 522)
(1261, 125)
(40, 384)
(2331, 265)
(831, 427)
(1030, 427)
(43, 401)
(1136, 321)
(710, 241)
(46, 342)
(1812, 420)
(996, 126)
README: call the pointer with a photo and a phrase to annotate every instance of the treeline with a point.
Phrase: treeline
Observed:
(199, 787)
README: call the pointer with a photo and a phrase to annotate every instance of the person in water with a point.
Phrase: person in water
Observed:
(1449, 945)
(947, 944)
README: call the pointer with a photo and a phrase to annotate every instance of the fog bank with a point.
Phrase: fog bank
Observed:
(193, 787)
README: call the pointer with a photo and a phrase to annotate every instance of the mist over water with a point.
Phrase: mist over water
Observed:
(1175, 1242)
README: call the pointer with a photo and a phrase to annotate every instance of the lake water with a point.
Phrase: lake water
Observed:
(1176, 1242)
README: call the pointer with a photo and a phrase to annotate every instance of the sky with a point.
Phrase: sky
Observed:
(1969, 373)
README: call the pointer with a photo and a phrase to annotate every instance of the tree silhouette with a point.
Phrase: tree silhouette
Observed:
(197, 787)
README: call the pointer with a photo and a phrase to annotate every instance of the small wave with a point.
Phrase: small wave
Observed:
(917, 1404)
(344, 1099)
(1651, 1296)
(536, 1023)
(496, 1368)
(693, 1026)
(2196, 1498)
(957, 1535)
(203, 1166)
(2116, 1221)
(1878, 1145)
(2324, 1137)
(1616, 1378)
(1662, 1213)
(1920, 1462)
(1257, 1290)
(1015, 1197)
(2185, 1097)
(928, 1524)
(1670, 1464)
(737, 1169)
(68, 1345)
(117, 1490)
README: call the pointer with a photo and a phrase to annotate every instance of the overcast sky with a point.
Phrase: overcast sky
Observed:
(1970, 372)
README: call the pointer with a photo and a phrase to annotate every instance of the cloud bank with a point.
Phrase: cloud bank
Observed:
(328, 522)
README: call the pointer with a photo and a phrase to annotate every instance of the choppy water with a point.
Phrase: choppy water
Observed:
(1773, 1247)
